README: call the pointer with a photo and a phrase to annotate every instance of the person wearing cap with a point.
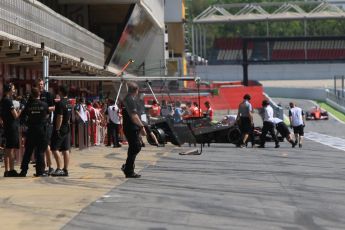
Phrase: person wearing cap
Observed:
(245, 119)
(268, 125)
(9, 117)
(209, 111)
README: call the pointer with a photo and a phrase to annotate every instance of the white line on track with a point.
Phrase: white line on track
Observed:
(334, 142)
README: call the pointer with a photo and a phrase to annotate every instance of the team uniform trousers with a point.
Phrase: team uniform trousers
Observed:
(283, 129)
(246, 127)
(36, 140)
(134, 147)
(268, 127)
(113, 133)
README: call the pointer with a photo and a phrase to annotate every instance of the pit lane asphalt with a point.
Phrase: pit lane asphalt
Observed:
(231, 188)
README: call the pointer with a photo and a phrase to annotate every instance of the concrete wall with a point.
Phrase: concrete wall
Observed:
(301, 93)
(335, 105)
(271, 72)
(173, 11)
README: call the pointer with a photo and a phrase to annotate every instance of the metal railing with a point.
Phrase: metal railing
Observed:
(32, 21)
(337, 94)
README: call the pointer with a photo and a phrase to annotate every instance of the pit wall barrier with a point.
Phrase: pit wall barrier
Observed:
(300, 93)
(221, 95)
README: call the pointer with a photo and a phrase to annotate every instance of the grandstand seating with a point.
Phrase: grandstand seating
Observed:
(309, 50)
(229, 50)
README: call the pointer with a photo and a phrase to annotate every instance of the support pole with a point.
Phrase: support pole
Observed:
(118, 93)
(46, 72)
(153, 94)
(245, 62)
(342, 86)
(193, 43)
(201, 42)
(205, 54)
(196, 43)
(197, 81)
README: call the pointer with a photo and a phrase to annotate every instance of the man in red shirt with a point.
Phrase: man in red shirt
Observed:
(92, 127)
(209, 111)
(155, 110)
(195, 110)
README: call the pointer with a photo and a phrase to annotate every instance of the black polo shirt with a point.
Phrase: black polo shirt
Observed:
(36, 112)
(63, 108)
(129, 107)
(47, 98)
(6, 113)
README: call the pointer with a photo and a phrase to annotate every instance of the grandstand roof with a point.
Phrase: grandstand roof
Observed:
(272, 11)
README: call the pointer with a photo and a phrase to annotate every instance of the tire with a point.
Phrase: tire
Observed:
(234, 135)
(160, 135)
(149, 139)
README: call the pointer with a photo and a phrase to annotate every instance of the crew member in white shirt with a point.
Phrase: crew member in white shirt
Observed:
(284, 130)
(113, 120)
(268, 125)
(297, 123)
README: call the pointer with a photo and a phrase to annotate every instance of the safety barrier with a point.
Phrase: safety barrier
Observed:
(336, 96)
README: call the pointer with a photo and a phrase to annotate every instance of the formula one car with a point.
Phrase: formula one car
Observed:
(316, 113)
(202, 131)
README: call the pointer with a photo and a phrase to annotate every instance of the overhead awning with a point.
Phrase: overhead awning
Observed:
(237, 13)
(122, 78)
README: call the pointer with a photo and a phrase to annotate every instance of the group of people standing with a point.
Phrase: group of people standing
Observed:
(180, 111)
(48, 127)
(270, 123)
(47, 131)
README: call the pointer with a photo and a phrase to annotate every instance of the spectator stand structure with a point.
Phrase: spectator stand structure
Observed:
(260, 50)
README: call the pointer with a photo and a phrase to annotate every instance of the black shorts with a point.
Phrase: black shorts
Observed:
(49, 132)
(298, 130)
(12, 138)
(60, 143)
(245, 125)
(283, 129)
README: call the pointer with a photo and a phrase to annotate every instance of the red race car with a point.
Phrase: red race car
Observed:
(316, 113)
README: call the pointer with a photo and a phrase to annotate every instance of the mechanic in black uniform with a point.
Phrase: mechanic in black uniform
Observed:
(36, 138)
(60, 140)
(132, 127)
(283, 130)
(10, 121)
(48, 98)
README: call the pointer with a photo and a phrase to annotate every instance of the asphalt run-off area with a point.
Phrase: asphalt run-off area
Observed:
(223, 188)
